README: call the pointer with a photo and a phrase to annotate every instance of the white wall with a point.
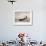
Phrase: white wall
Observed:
(7, 29)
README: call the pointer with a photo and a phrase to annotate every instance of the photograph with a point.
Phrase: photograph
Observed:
(23, 18)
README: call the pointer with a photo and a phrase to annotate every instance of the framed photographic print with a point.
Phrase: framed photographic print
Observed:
(23, 18)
